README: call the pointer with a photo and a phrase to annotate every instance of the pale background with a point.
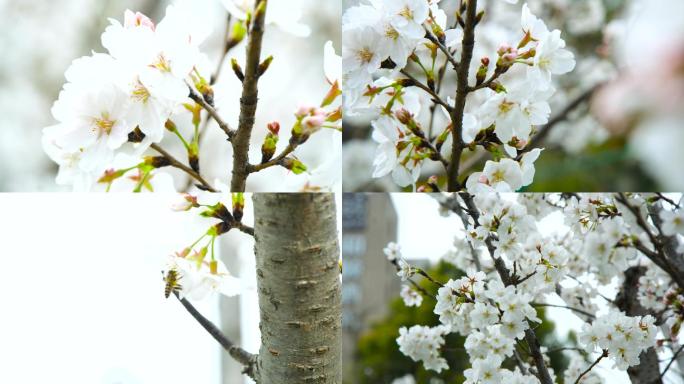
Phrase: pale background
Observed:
(83, 295)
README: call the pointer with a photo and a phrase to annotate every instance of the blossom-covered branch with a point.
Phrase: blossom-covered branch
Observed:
(638, 237)
(154, 82)
(391, 55)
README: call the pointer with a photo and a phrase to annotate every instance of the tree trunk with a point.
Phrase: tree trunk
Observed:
(299, 284)
(648, 370)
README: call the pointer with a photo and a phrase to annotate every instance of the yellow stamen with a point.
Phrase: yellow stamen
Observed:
(103, 124)
(140, 93)
(365, 55)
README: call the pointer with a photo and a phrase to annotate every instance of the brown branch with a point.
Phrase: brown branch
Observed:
(674, 357)
(177, 164)
(244, 228)
(604, 354)
(248, 101)
(445, 50)
(457, 144)
(248, 360)
(197, 98)
(564, 307)
(275, 161)
(224, 53)
(428, 90)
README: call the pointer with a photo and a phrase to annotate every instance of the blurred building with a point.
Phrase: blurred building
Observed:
(369, 222)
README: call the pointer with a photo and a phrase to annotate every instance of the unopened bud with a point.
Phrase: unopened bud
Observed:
(238, 205)
(170, 125)
(136, 136)
(273, 127)
(237, 69)
(156, 161)
(403, 115)
(237, 34)
(268, 148)
(218, 211)
(293, 165)
(189, 201)
(263, 67)
(110, 175)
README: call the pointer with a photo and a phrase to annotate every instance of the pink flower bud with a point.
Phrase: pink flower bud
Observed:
(303, 110)
(483, 179)
(503, 49)
(313, 123)
(274, 127)
(188, 202)
(137, 19)
(403, 115)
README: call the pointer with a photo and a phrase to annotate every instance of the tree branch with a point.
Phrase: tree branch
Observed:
(604, 354)
(457, 144)
(177, 164)
(445, 50)
(248, 360)
(585, 313)
(249, 99)
(432, 93)
(224, 53)
(674, 358)
(274, 161)
(245, 228)
(197, 98)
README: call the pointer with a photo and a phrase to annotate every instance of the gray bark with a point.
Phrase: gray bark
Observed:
(299, 287)
(648, 370)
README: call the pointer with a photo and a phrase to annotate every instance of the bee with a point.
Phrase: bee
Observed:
(172, 280)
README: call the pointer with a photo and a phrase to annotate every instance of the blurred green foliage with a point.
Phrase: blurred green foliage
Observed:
(605, 167)
(378, 359)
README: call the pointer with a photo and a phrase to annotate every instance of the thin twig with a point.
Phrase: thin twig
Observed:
(674, 357)
(275, 161)
(604, 354)
(224, 53)
(585, 313)
(177, 164)
(197, 98)
(248, 360)
(435, 96)
(245, 228)
(445, 50)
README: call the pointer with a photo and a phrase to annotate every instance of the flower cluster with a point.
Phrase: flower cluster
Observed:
(622, 336)
(386, 41)
(422, 344)
(121, 101)
(200, 272)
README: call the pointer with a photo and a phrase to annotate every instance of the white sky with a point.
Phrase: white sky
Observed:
(424, 234)
(83, 293)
